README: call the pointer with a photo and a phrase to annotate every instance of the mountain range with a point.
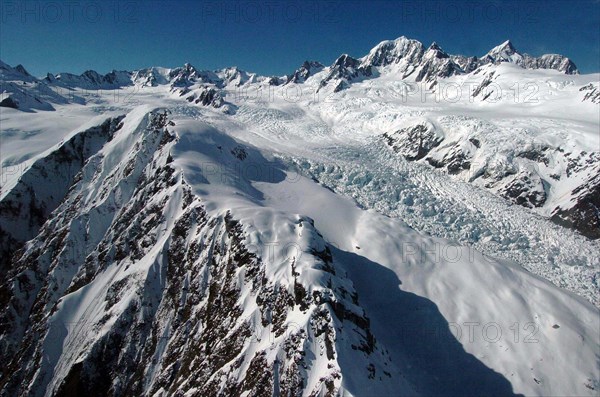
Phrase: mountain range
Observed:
(409, 222)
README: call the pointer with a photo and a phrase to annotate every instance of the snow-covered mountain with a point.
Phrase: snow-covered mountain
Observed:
(409, 222)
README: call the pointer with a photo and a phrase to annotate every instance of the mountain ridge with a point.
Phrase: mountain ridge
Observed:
(385, 53)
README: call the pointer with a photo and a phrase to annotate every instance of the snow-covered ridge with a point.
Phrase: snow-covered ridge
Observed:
(404, 58)
(405, 55)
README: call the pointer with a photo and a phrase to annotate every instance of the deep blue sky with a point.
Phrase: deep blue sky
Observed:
(274, 37)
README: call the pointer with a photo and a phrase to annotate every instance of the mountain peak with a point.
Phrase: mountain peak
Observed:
(22, 69)
(307, 69)
(345, 60)
(507, 44)
(436, 51)
(504, 52)
(506, 48)
(393, 51)
(434, 46)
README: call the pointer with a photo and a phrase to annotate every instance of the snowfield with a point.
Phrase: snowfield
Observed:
(397, 224)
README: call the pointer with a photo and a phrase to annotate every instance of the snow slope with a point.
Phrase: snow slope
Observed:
(184, 232)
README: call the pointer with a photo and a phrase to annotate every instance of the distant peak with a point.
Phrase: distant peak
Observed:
(436, 51)
(393, 51)
(506, 47)
(345, 60)
(311, 64)
(22, 70)
(402, 38)
(435, 47)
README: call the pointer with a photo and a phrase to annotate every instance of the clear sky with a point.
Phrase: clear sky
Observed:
(273, 37)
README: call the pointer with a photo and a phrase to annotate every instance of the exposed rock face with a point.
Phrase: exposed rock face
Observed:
(91, 79)
(523, 174)
(551, 61)
(20, 223)
(436, 64)
(592, 93)
(415, 142)
(467, 64)
(8, 73)
(526, 189)
(480, 90)
(9, 102)
(307, 69)
(409, 59)
(343, 71)
(583, 213)
(207, 97)
(183, 77)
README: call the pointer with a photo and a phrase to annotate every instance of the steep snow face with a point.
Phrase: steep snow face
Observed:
(27, 204)
(504, 52)
(401, 50)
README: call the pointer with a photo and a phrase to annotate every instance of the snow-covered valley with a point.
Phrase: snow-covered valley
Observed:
(406, 223)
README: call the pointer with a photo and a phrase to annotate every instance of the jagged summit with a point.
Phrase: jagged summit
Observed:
(21, 69)
(307, 69)
(436, 51)
(504, 52)
(409, 53)
(507, 46)
(393, 51)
